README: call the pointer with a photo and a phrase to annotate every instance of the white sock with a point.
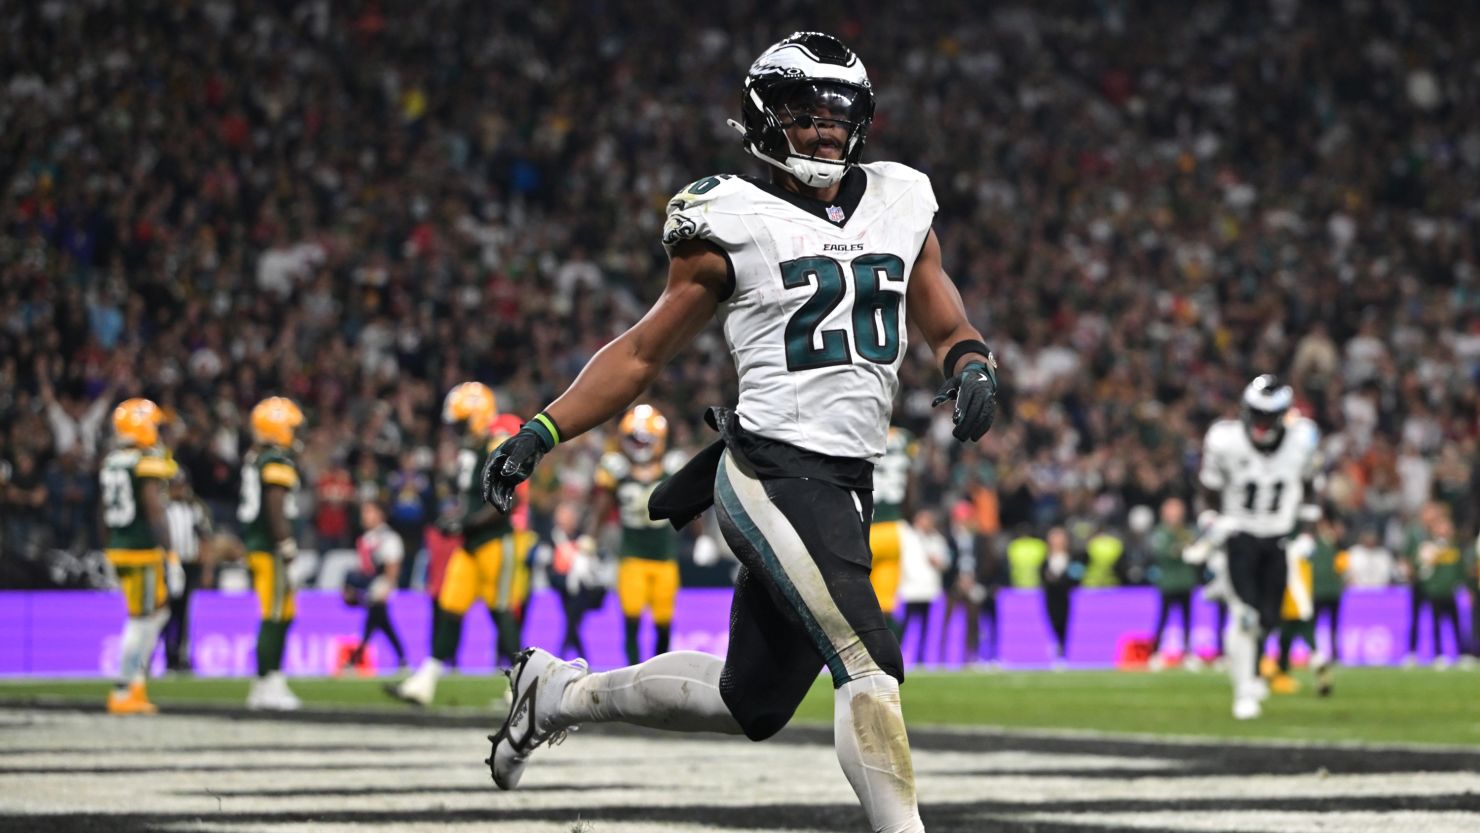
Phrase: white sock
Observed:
(677, 691)
(130, 648)
(136, 647)
(154, 626)
(868, 728)
(1241, 645)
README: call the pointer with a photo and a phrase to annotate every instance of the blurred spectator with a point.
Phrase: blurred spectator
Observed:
(575, 574)
(923, 557)
(1410, 567)
(22, 494)
(334, 492)
(409, 490)
(371, 585)
(1328, 563)
(71, 495)
(1174, 578)
(1442, 565)
(1368, 563)
(1063, 570)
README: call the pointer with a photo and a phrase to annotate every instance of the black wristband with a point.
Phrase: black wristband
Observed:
(960, 349)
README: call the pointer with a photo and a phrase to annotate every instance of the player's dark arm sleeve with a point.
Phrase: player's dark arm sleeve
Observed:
(152, 492)
(274, 503)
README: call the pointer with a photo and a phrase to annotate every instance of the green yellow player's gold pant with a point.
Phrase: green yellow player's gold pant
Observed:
(496, 572)
(275, 595)
(648, 583)
(884, 539)
(141, 578)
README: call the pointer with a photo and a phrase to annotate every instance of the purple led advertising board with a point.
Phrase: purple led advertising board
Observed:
(75, 633)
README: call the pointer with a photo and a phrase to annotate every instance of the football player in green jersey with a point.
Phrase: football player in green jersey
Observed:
(647, 574)
(133, 478)
(887, 532)
(269, 504)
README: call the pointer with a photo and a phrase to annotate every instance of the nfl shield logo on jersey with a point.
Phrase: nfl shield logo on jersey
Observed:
(835, 214)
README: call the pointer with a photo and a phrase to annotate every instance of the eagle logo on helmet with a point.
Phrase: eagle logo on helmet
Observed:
(1265, 405)
(786, 84)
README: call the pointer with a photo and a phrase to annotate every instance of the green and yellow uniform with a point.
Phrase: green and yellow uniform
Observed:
(647, 572)
(268, 466)
(131, 547)
(886, 534)
(1174, 576)
(1441, 569)
(491, 563)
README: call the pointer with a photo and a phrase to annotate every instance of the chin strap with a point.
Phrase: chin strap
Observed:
(813, 173)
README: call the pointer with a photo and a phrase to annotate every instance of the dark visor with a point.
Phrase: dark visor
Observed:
(1264, 419)
(838, 102)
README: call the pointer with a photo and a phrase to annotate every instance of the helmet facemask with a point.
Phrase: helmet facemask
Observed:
(822, 107)
(1266, 403)
(807, 80)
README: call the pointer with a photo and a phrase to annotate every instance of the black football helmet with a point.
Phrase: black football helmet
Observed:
(806, 78)
(1266, 402)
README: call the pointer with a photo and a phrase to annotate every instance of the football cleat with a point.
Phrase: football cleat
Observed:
(271, 693)
(1246, 708)
(419, 689)
(538, 681)
(1284, 684)
(134, 700)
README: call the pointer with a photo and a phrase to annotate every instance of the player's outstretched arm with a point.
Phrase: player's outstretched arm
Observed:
(698, 278)
(935, 308)
(623, 369)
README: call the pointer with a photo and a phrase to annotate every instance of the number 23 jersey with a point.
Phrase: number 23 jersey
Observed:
(1262, 492)
(816, 317)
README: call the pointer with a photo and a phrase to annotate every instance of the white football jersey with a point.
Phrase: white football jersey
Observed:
(816, 319)
(1262, 492)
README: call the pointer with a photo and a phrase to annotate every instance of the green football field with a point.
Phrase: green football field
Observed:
(1380, 705)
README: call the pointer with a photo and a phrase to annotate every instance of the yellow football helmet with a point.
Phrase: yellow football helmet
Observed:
(274, 421)
(136, 422)
(644, 434)
(473, 403)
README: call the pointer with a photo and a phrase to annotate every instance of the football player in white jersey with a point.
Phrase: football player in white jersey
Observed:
(1258, 473)
(813, 273)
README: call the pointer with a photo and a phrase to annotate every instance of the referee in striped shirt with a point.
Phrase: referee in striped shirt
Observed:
(190, 528)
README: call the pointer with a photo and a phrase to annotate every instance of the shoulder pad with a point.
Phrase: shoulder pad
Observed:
(707, 190)
(1306, 431)
(673, 461)
(689, 210)
(615, 465)
(902, 178)
(154, 465)
(1223, 435)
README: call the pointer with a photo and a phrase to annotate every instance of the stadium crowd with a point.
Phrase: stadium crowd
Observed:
(361, 204)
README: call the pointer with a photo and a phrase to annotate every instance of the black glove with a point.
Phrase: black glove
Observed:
(975, 392)
(511, 464)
